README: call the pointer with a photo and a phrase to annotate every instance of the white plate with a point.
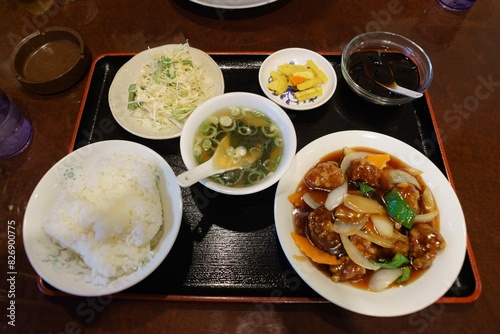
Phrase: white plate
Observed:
(129, 74)
(421, 293)
(68, 276)
(233, 4)
(297, 56)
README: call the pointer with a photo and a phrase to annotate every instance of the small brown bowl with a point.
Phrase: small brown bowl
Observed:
(50, 60)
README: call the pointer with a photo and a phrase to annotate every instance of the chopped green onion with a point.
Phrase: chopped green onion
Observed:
(226, 121)
(207, 144)
(208, 130)
(204, 127)
(247, 130)
(236, 112)
(270, 131)
(270, 164)
(255, 177)
(399, 209)
(197, 150)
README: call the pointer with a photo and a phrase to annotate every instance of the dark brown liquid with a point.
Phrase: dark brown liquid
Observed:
(369, 67)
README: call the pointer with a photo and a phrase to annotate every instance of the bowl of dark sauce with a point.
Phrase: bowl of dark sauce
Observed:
(50, 61)
(374, 60)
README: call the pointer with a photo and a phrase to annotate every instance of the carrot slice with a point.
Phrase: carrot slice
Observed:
(379, 160)
(296, 80)
(295, 198)
(315, 254)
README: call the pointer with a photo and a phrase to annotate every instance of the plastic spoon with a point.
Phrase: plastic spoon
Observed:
(220, 162)
(394, 87)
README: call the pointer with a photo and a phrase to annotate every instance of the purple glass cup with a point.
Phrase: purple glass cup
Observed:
(457, 5)
(16, 132)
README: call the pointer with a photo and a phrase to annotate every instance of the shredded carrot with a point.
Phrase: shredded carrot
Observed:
(295, 80)
(315, 254)
(379, 160)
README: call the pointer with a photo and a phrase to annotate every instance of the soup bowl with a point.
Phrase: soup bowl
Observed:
(243, 101)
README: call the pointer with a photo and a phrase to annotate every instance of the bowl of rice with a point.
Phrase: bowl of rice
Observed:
(103, 218)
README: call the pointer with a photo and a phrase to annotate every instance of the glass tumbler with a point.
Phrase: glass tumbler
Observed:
(16, 132)
(456, 5)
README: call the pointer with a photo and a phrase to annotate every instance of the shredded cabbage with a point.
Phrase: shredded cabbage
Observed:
(169, 88)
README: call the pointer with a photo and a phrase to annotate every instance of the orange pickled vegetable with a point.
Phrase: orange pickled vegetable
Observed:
(315, 254)
(295, 80)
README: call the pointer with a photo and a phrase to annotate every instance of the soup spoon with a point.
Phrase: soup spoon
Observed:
(220, 162)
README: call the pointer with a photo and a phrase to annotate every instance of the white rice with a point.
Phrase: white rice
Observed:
(109, 216)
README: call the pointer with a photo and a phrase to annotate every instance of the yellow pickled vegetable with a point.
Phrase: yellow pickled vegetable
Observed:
(279, 83)
(312, 65)
(308, 93)
(289, 69)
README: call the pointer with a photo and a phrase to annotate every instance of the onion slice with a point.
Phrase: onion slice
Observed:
(400, 176)
(355, 255)
(348, 228)
(336, 196)
(428, 200)
(363, 204)
(383, 224)
(376, 239)
(383, 278)
(354, 155)
(426, 217)
(307, 198)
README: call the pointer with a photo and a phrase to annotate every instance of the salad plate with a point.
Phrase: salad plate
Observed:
(397, 301)
(129, 74)
(233, 4)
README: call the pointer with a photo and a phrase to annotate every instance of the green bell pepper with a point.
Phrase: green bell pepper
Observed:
(397, 261)
(365, 189)
(399, 209)
(405, 276)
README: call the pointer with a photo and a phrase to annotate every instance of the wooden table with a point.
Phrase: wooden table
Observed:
(464, 50)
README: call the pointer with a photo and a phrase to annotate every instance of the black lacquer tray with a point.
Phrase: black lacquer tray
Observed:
(227, 248)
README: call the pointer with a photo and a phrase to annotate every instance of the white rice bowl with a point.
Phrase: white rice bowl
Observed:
(103, 218)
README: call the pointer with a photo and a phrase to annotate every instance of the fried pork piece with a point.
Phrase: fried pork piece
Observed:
(401, 246)
(347, 270)
(320, 232)
(368, 248)
(325, 175)
(425, 243)
(410, 193)
(362, 170)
